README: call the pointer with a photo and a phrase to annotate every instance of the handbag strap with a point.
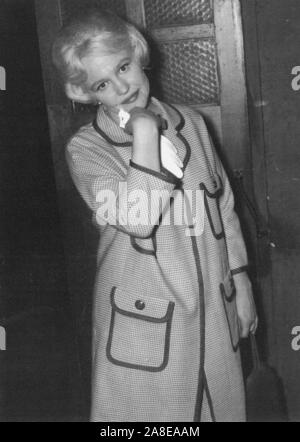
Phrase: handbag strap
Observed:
(254, 350)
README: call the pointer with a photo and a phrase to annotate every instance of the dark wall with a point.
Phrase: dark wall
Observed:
(40, 365)
(272, 41)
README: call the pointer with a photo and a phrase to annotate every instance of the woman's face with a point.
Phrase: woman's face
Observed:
(116, 80)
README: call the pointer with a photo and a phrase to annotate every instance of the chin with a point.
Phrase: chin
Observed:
(142, 101)
(138, 103)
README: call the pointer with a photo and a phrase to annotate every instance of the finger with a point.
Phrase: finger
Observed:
(244, 329)
(139, 112)
(245, 333)
(254, 326)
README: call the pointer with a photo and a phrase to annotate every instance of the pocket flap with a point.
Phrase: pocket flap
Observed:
(146, 246)
(213, 187)
(145, 307)
(228, 288)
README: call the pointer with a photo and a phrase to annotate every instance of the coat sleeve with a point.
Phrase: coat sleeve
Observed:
(237, 254)
(130, 198)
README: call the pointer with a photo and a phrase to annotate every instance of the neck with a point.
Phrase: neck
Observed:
(112, 113)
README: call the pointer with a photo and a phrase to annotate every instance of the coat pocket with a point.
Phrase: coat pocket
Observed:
(213, 189)
(140, 329)
(228, 293)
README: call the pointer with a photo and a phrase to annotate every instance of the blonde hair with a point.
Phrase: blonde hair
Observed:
(82, 35)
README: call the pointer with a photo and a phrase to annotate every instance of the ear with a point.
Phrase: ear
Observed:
(76, 93)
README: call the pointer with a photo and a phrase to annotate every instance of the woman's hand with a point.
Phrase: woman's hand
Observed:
(246, 310)
(141, 118)
(144, 126)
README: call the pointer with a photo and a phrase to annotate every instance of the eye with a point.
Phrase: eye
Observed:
(124, 67)
(101, 86)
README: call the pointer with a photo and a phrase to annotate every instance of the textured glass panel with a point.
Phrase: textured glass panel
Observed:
(177, 12)
(188, 72)
(69, 7)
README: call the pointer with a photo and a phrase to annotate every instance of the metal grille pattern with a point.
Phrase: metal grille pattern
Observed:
(177, 12)
(69, 7)
(188, 72)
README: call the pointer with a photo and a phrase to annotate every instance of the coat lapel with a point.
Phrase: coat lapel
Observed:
(176, 123)
(110, 131)
(113, 134)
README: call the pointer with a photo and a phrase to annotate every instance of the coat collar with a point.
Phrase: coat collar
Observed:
(116, 136)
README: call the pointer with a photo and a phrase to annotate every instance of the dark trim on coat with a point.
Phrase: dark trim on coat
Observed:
(169, 179)
(140, 249)
(166, 319)
(181, 123)
(200, 389)
(226, 301)
(107, 138)
(178, 129)
(239, 270)
(139, 315)
(214, 196)
(209, 399)
(201, 375)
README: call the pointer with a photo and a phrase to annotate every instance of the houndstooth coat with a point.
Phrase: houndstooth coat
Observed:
(165, 328)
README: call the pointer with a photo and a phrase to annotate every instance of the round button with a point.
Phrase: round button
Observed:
(140, 305)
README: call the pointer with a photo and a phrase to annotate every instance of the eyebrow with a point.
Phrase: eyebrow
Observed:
(98, 82)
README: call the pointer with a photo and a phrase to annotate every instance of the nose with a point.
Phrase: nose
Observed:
(121, 86)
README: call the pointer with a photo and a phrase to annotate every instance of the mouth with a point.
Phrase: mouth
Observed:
(131, 98)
